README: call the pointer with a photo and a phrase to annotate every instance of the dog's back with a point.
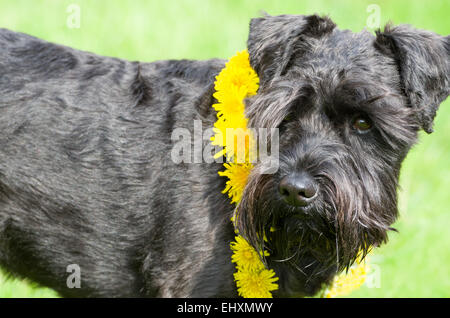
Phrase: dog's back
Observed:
(86, 176)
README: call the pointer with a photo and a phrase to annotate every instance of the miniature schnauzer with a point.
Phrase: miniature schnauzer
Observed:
(86, 177)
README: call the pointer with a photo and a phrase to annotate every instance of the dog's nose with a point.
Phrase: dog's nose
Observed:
(298, 189)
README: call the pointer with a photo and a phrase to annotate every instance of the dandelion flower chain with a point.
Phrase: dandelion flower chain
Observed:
(236, 82)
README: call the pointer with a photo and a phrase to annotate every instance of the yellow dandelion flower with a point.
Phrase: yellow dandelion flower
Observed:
(344, 283)
(235, 140)
(231, 102)
(240, 145)
(237, 175)
(245, 256)
(238, 73)
(256, 284)
(241, 79)
(220, 132)
(240, 60)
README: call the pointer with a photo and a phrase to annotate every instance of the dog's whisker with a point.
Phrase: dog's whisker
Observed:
(337, 250)
(285, 259)
(297, 268)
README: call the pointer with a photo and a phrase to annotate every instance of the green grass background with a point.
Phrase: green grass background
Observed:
(416, 261)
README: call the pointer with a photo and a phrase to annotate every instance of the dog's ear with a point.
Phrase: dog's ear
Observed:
(271, 40)
(423, 61)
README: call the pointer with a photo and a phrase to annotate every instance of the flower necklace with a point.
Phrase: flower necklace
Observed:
(234, 83)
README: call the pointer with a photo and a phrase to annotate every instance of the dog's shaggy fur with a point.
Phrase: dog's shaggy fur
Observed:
(86, 175)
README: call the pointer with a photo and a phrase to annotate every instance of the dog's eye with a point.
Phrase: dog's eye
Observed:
(361, 124)
(285, 121)
(289, 117)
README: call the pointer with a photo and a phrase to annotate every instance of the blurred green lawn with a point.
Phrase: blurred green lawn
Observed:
(416, 262)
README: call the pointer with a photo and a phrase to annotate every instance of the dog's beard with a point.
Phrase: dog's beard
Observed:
(309, 245)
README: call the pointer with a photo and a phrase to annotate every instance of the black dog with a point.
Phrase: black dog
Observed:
(86, 176)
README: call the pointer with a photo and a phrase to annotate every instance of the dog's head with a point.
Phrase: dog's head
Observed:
(348, 107)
